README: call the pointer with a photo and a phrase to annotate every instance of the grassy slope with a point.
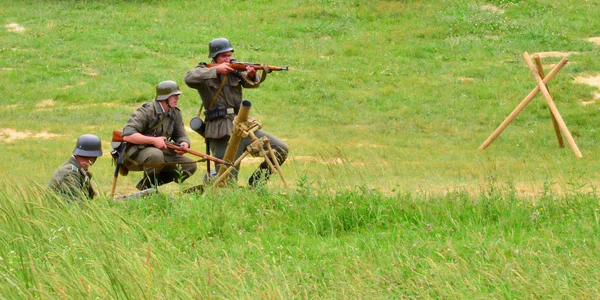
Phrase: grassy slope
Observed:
(405, 92)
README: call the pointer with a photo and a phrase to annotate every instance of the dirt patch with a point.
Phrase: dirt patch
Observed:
(300, 158)
(9, 135)
(14, 27)
(66, 87)
(592, 81)
(45, 103)
(493, 8)
(8, 107)
(595, 40)
(553, 54)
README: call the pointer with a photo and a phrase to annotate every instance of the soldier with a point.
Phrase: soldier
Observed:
(220, 88)
(148, 128)
(72, 180)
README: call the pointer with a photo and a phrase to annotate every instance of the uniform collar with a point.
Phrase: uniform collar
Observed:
(160, 110)
(76, 166)
(73, 161)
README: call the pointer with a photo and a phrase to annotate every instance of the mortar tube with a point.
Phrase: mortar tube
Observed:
(234, 139)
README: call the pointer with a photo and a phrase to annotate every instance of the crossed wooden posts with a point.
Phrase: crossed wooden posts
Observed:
(559, 123)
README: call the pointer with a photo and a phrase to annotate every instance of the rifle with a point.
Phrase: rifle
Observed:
(136, 195)
(118, 137)
(242, 66)
(118, 157)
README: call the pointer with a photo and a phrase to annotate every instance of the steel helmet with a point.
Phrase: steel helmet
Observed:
(88, 145)
(166, 89)
(217, 46)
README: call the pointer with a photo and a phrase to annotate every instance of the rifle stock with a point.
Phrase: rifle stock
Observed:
(242, 66)
(118, 137)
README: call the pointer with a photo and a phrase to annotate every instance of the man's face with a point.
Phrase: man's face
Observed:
(173, 100)
(87, 161)
(224, 57)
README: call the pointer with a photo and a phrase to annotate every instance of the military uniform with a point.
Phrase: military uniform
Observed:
(219, 117)
(159, 166)
(71, 181)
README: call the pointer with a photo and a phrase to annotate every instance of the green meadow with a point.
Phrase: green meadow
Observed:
(384, 108)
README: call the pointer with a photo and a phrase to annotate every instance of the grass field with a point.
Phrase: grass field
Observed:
(384, 108)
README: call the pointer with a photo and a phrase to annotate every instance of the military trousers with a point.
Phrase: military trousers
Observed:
(161, 166)
(262, 173)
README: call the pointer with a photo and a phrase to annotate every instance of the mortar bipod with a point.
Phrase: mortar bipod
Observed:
(259, 147)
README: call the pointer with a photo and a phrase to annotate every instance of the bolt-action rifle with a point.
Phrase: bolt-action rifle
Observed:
(258, 67)
(118, 137)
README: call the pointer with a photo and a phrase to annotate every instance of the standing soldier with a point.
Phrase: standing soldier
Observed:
(72, 180)
(148, 128)
(220, 88)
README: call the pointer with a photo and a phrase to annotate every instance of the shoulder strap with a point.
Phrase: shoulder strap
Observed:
(212, 102)
(164, 118)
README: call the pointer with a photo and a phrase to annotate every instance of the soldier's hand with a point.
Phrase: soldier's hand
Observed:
(183, 145)
(224, 68)
(159, 142)
(251, 72)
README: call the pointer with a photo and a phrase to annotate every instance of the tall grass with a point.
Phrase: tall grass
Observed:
(402, 92)
(383, 108)
(305, 244)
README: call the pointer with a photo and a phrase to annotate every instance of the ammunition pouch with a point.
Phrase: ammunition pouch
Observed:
(220, 112)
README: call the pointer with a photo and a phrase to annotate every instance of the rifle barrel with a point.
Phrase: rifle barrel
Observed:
(258, 67)
(176, 146)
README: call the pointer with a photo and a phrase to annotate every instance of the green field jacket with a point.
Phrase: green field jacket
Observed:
(207, 82)
(72, 182)
(149, 119)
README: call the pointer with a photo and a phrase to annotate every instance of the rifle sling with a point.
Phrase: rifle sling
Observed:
(214, 99)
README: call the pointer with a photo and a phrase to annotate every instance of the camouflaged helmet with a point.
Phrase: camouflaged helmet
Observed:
(217, 46)
(88, 145)
(166, 89)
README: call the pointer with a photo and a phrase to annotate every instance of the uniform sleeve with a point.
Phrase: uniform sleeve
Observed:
(138, 122)
(196, 77)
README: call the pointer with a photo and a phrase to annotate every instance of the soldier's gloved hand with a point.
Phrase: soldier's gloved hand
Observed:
(267, 69)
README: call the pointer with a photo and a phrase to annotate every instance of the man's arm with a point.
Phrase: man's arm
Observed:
(140, 139)
(196, 77)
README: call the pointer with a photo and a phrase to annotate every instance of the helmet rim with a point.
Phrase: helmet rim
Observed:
(88, 145)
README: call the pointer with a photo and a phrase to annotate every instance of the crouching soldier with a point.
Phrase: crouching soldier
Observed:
(146, 133)
(72, 180)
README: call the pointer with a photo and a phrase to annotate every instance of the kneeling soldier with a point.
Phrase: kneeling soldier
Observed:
(72, 180)
(148, 128)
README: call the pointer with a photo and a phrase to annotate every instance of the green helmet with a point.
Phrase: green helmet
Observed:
(88, 145)
(166, 89)
(217, 46)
